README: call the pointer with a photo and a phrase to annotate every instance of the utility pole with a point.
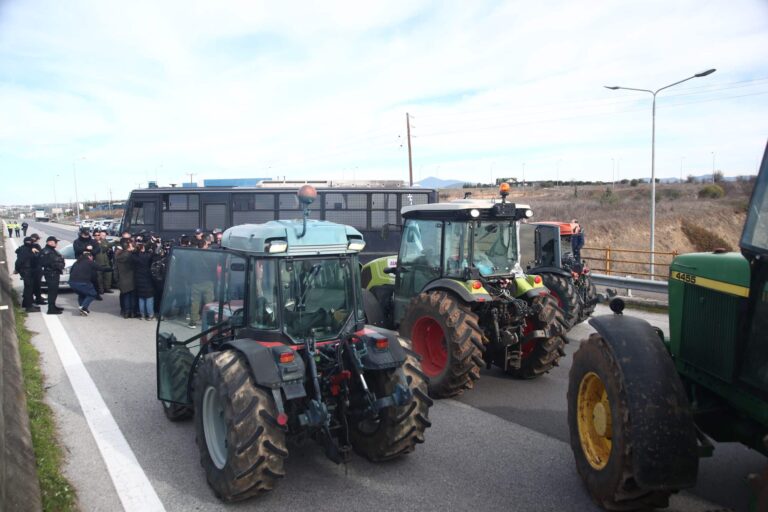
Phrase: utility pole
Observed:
(410, 159)
(682, 158)
(110, 200)
(190, 177)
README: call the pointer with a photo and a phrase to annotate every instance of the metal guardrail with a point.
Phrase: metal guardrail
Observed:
(630, 283)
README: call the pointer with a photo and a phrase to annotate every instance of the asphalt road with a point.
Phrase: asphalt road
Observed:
(502, 446)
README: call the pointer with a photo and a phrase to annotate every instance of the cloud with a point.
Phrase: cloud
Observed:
(316, 90)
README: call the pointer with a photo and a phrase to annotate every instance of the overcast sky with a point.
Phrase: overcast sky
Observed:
(133, 91)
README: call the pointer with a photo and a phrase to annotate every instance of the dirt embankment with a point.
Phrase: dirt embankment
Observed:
(619, 217)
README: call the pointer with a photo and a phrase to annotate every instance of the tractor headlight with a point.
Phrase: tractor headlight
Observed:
(528, 213)
(276, 246)
(356, 244)
(474, 213)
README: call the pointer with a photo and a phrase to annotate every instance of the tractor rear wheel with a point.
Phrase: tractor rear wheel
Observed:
(179, 361)
(242, 446)
(444, 332)
(543, 342)
(398, 430)
(564, 292)
(598, 418)
(590, 298)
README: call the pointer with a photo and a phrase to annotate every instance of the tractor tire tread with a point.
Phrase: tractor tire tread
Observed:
(256, 449)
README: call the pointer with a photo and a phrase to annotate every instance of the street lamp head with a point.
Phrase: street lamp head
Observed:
(705, 73)
(613, 88)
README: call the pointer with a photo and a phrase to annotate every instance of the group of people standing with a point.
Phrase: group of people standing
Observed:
(16, 228)
(135, 265)
(32, 264)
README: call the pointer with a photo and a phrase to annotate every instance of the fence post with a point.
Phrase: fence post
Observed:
(608, 260)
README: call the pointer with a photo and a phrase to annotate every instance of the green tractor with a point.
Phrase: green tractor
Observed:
(276, 349)
(457, 291)
(641, 408)
(547, 251)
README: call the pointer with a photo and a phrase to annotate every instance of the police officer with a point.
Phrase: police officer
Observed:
(52, 263)
(37, 271)
(23, 267)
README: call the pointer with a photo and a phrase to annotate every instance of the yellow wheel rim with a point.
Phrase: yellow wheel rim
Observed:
(594, 420)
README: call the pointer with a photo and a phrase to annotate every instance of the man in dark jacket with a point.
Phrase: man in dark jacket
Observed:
(23, 266)
(24, 228)
(52, 264)
(37, 271)
(81, 279)
(85, 242)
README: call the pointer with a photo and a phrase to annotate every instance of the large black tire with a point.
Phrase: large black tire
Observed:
(590, 298)
(179, 361)
(566, 295)
(242, 447)
(374, 312)
(398, 429)
(445, 334)
(601, 439)
(544, 340)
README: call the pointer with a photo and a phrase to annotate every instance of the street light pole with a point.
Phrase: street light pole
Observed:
(77, 201)
(653, 149)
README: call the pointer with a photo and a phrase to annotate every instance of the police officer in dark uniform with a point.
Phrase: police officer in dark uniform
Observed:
(52, 263)
(37, 271)
(23, 266)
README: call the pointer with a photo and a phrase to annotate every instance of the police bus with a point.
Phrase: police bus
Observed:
(172, 212)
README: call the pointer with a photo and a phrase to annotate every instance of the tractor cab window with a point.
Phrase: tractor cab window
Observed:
(318, 295)
(264, 297)
(456, 257)
(755, 236)
(203, 298)
(495, 247)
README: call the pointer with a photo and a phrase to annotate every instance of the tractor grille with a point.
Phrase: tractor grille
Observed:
(709, 330)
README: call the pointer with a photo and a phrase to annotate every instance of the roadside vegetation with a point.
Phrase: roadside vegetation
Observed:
(57, 493)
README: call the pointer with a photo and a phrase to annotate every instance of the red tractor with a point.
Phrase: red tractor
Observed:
(552, 250)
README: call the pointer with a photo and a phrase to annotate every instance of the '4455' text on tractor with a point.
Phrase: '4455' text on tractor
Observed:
(278, 349)
(457, 291)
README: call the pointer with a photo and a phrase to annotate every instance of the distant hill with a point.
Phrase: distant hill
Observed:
(432, 182)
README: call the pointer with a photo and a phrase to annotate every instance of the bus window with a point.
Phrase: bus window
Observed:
(181, 211)
(347, 208)
(142, 213)
(252, 208)
(383, 210)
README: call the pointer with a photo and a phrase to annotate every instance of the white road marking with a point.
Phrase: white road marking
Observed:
(133, 487)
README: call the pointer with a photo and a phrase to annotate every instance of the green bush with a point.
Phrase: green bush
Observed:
(711, 192)
(609, 198)
(634, 183)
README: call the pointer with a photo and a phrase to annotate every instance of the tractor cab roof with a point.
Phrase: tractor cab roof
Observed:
(284, 238)
(468, 209)
(566, 228)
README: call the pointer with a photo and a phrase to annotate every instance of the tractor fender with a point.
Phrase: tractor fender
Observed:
(663, 434)
(458, 289)
(377, 359)
(549, 270)
(262, 362)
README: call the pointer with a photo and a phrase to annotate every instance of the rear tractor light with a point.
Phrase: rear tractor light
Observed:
(537, 279)
(382, 344)
(287, 357)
